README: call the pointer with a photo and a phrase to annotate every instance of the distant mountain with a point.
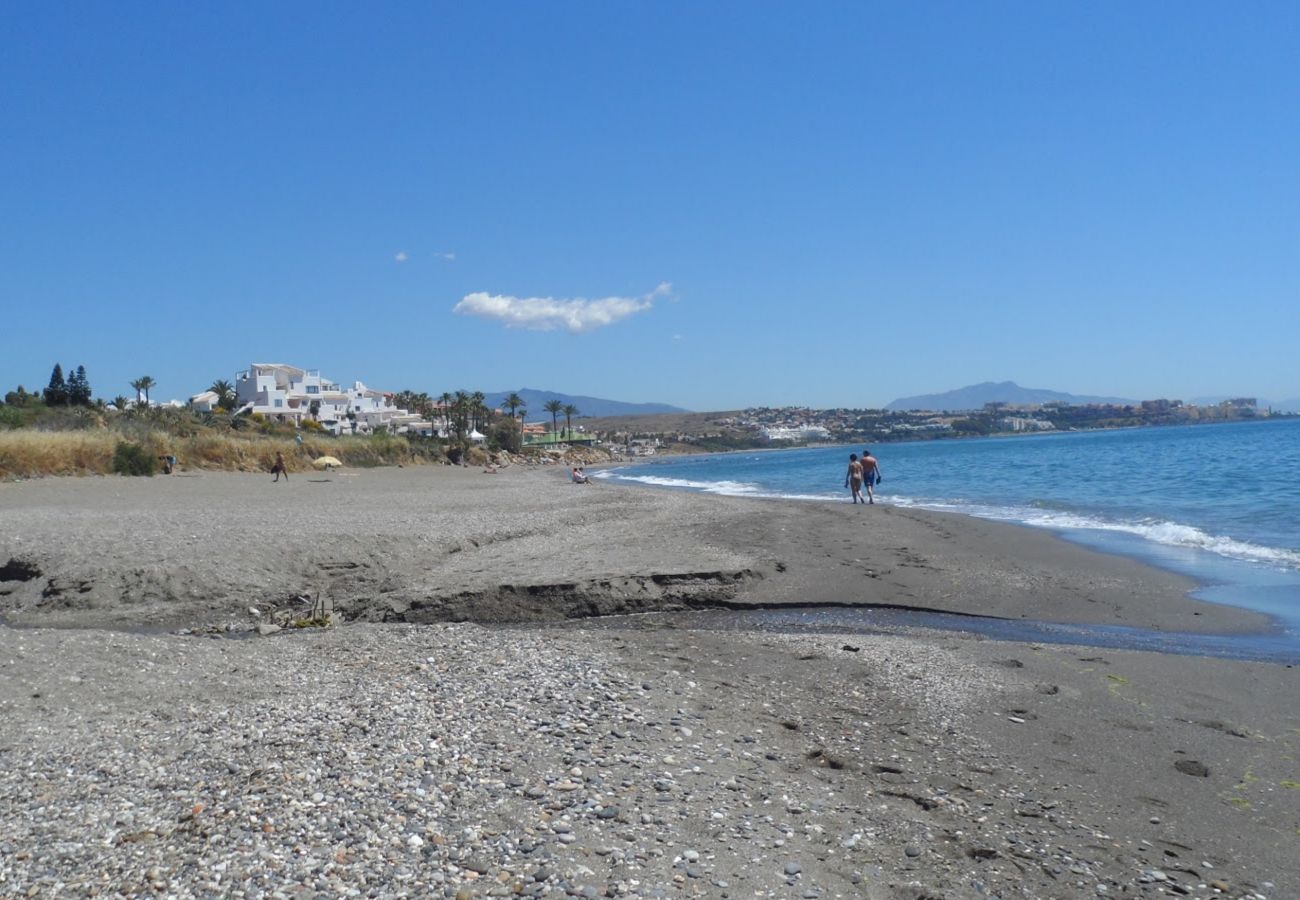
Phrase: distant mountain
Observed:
(536, 400)
(976, 395)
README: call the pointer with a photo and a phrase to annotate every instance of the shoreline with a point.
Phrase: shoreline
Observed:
(1209, 575)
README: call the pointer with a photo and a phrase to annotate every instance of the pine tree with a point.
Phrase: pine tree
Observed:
(79, 388)
(57, 393)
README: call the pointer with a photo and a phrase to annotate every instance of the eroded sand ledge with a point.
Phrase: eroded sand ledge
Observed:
(632, 760)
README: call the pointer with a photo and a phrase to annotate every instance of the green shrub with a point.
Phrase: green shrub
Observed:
(133, 459)
(13, 417)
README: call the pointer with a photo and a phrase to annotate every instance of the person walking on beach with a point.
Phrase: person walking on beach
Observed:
(853, 478)
(279, 468)
(870, 473)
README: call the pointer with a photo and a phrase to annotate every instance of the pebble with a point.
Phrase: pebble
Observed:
(460, 761)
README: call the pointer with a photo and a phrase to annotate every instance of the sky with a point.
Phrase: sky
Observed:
(715, 205)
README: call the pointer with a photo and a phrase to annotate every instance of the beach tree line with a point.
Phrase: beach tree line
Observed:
(74, 390)
(463, 424)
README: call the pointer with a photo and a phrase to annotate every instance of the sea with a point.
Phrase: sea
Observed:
(1219, 503)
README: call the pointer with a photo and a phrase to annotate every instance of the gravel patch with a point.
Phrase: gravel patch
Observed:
(462, 761)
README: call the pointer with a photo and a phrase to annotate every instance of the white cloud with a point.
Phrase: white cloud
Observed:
(578, 315)
(401, 256)
(446, 256)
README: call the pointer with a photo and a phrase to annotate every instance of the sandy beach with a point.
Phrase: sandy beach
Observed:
(468, 732)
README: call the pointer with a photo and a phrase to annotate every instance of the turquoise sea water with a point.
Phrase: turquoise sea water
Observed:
(1220, 503)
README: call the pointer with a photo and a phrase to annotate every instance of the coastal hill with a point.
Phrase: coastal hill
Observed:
(536, 400)
(975, 396)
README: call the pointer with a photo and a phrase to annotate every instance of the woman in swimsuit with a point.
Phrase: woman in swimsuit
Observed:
(853, 478)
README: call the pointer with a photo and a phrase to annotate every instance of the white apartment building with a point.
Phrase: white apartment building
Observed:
(290, 394)
(1024, 423)
(796, 433)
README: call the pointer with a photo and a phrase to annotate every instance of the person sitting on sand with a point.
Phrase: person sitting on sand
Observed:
(853, 477)
(279, 468)
(870, 473)
(579, 476)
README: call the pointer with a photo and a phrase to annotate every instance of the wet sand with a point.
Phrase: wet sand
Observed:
(915, 763)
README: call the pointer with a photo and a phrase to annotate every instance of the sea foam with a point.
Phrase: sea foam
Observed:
(1166, 533)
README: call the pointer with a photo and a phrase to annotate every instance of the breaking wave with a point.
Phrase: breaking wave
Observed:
(1157, 531)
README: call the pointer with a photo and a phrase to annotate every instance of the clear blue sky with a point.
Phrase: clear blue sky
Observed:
(761, 203)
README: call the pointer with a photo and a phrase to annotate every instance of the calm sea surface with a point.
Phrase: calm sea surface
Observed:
(1220, 503)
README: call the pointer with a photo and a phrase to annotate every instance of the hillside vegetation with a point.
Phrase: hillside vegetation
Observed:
(80, 441)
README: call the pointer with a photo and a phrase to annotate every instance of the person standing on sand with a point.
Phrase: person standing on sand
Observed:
(870, 473)
(279, 468)
(853, 477)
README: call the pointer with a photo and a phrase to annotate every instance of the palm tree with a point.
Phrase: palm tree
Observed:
(569, 412)
(225, 392)
(142, 385)
(554, 407)
(513, 402)
(478, 405)
(444, 400)
(462, 413)
(120, 402)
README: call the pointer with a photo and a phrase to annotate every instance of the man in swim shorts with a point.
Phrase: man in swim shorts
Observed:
(870, 474)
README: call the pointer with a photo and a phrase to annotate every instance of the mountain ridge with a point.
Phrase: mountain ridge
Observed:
(975, 396)
(535, 400)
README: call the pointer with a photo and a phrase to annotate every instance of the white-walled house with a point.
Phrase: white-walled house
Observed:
(290, 394)
(205, 402)
(375, 410)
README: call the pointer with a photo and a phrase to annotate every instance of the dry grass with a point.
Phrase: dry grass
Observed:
(29, 453)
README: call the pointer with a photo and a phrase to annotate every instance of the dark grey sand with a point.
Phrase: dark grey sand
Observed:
(643, 760)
